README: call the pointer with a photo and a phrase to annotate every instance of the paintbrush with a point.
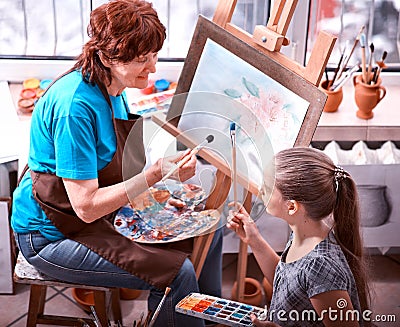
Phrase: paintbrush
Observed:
(157, 312)
(336, 70)
(146, 321)
(326, 77)
(374, 72)
(363, 63)
(95, 317)
(357, 39)
(232, 129)
(371, 55)
(186, 158)
(381, 65)
(340, 81)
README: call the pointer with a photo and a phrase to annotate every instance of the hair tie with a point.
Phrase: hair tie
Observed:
(339, 174)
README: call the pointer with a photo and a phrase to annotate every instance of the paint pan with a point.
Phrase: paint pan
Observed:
(223, 311)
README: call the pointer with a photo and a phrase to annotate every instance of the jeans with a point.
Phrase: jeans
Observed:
(71, 261)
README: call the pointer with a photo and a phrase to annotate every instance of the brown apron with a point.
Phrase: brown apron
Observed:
(148, 262)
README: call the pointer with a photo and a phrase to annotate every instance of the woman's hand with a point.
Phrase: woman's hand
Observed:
(241, 222)
(184, 172)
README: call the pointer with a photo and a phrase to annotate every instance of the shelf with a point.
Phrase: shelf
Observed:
(344, 125)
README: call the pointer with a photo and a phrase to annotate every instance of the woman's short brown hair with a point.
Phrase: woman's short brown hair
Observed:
(120, 30)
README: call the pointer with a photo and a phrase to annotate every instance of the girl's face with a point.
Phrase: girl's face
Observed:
(277, 206)
(134, 74)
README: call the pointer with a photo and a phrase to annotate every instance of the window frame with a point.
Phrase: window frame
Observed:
(16, 68)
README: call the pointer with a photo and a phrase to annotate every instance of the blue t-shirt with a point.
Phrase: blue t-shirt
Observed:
(72, 135)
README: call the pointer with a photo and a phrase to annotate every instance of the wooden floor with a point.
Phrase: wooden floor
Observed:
(385, 276)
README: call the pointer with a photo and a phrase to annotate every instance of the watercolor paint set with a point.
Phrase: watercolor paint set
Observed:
(223, 311)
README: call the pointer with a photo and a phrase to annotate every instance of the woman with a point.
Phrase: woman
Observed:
(320, 279)
(86, 161)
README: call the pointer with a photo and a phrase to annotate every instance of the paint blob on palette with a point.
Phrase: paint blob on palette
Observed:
(162, 215)
(223, 311)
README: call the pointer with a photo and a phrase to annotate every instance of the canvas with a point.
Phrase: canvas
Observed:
(225, 80)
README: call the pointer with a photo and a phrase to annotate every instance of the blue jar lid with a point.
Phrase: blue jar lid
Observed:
(161, 84)
(44, 83)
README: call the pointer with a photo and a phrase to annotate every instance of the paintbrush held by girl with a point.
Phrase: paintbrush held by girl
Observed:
(320, 279)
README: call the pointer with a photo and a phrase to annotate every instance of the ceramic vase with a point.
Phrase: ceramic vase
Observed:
(367, 96)
(267, 290)
(374, 206)
(252, 292)
(334, 97)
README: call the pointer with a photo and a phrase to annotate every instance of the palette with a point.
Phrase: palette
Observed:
(166, 214)
(223, 311)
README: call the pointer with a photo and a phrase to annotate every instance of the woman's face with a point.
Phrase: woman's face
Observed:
(133, 74)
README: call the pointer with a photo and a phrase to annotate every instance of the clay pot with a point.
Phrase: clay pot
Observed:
(84, 298)
(267, 290)
(252, 292)
(334, 97)
(374, 207)
(367, 96)
(129, 294)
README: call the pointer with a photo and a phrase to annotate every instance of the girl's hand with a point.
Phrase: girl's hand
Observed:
(241, 222)
(261, 323)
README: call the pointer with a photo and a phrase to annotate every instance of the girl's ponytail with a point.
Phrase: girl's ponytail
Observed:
(346, 215)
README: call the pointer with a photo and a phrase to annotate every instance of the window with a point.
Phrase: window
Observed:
(345, 18)
(57, 29)
(43, 27)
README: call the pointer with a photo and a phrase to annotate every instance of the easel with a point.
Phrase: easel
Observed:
(268, 40)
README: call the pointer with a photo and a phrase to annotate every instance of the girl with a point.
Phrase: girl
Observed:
(320, 279)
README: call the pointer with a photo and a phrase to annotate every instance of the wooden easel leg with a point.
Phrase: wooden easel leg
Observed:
(37, 299)
(223, 13)
(100, 307)
(215, 200)
(115, 305)
(201, 247)
(220, 192)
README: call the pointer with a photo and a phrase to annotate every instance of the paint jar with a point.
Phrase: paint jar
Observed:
(367, 96)
(44, 83)
(161, 85)
(334, 97)
(252, 292)
(149, 89)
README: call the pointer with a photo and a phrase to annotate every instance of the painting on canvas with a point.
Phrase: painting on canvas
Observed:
(225, 80)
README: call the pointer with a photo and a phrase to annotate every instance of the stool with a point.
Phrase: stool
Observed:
(25, 273)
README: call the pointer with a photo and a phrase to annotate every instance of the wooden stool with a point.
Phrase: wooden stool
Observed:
(25, 273)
